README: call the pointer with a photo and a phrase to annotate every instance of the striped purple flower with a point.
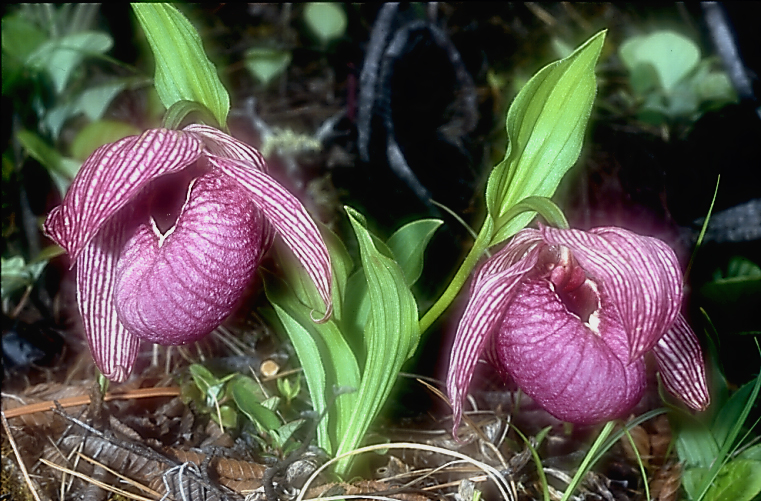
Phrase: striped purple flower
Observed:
(570, 315)
(167, 230)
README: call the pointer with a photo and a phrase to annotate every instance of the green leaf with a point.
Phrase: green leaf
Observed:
(729, 443)
(695, 443)
(282, 434)
(183, 72)
(17, 274)
(730, 413)
(545, 128)
(96, 134)
(210, 385)
(20, 37)
(61, 56)
(266, 64)
(391, 336)
(305, 344)
(62, 170)
(691, 478)
(671, 55)
(245, 393)
(227, 417)
(741, 280)
(408, 245)
(753, 453)
(738, 480)
(326, 20)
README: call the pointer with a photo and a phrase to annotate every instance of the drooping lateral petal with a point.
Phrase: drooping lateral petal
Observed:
(112, 346)
(111, 177)
(289, 218)
(486, 308)
(176, 287)
(640, 274)
(680, 361)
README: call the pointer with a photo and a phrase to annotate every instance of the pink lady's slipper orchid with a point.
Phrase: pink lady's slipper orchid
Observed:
(569, 315)
(167, 229)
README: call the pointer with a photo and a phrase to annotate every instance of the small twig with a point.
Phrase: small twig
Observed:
(21, 464)
(119, 475)
(100, 484)
(172, 391)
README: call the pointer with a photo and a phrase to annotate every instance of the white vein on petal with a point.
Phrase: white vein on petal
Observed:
(113, 348)
(485, 309)
(680, 360)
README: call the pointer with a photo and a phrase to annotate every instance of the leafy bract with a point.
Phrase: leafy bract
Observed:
(183, 72)
(545, 127)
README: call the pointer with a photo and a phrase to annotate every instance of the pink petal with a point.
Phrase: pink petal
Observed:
(572, 372)
(680, 361)
(222, 145)
(113, 347)
(640, 274)
(289, 218)
(177, 287)
(111, 177)
(485, 310)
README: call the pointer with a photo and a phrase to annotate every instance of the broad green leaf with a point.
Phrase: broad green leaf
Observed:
(695, 443)
(545, 127)
(730, 413)
(227, 417)
(62, 170)
(334, 353)
(17, 274)
(326, 20)
(61, 56)
(730, 443)
(753, 453)
(738, 480)
(183, 72)
(211, 386)
(672, 56)
(742, 279)
(391, 335)
(245, 392)
(312, 363)
(691, 480)
(96, 134)
(408, 245)
(282, 434)
(20, 37)
(716, 86)
(266, 64)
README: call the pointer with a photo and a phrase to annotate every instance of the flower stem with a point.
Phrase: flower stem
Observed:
(479, 247)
